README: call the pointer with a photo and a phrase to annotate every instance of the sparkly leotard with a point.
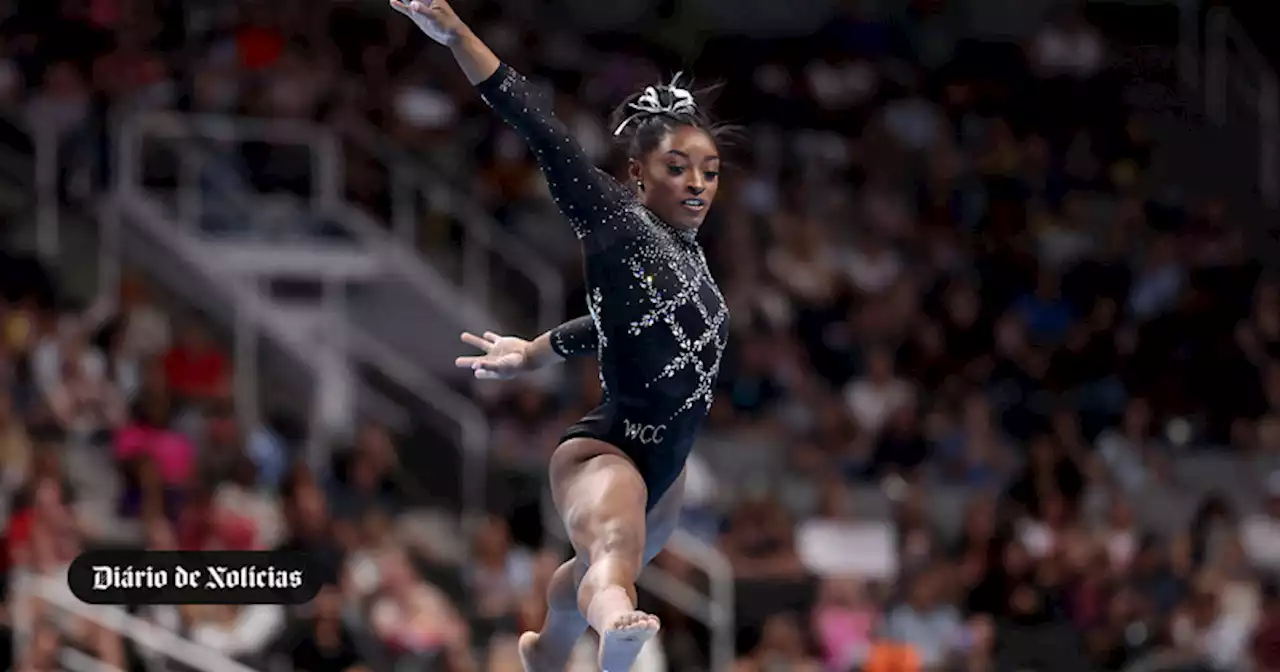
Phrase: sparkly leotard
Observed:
(658, 323)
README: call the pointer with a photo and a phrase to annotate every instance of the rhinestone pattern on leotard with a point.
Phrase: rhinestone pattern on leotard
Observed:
(661, 324)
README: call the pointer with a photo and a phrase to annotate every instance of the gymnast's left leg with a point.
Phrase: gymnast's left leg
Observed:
(549, 649)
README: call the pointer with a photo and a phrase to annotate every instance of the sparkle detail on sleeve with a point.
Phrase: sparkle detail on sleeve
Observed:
(660, 322)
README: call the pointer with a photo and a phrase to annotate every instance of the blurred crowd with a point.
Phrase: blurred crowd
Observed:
(974, 350)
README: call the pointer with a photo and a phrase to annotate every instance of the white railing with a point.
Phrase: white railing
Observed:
(1231, 66)
(484, 241)
(253, 306)
(473, 426)
(53, 591)
(44, 179)
(713, 608)
(326, 192)
(720, 593)
(48, 226)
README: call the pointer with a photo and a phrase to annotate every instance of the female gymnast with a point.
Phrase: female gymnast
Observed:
(658, 325)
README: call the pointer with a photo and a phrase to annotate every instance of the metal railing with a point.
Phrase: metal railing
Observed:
(1231, 67)
(473, 426)
(53, 591)
(355, 341)
(48, 231)
(486, 247)
(326, 194)
(39, 174)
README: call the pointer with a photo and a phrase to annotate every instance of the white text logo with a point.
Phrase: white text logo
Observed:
(644, 434)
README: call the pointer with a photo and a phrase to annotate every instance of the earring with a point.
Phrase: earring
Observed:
(640, 185)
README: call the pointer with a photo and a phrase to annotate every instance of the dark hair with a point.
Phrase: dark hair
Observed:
(639, 129)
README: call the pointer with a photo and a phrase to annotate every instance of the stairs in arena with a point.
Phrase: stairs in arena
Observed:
(1195, 160)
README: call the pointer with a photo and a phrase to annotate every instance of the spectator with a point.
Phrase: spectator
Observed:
(1201, 630)
(931, 628)
(413, 618)
(844, 621)
(63, 101)
(872, 266)
(309, 531)
(15, 444)
(1260, 533)
(155, 459)
(193, 366)
(142, 327)
(1130, 448)
(498, 573)
(1068, 47)
(241, 504)
(759, 542)
(364, 477)
(976, 453)
(781, 646)
(68, 347)
(324, 643)
(1264, 647)
(874, 399)
(83, 405)
(240, 632)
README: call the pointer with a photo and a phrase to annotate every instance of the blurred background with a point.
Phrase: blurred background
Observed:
(1003, 390)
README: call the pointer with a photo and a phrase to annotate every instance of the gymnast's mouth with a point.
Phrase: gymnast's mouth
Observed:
(694, 204)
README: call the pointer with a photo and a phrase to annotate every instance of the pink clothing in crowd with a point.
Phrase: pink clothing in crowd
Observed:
(844, 635)
(172, 453)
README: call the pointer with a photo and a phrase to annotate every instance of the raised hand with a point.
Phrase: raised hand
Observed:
(433, 17)
(504, 357)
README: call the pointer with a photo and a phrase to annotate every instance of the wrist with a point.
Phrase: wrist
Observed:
(539, 353)
(459, 37)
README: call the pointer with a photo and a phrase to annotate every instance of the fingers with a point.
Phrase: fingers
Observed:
(482, 369)
(411, 8)
(467, 362)
(492, 368)
(482, 344)
(491, 337)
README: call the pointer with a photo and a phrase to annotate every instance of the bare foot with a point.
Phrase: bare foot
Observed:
(620, 643)
(529, 654)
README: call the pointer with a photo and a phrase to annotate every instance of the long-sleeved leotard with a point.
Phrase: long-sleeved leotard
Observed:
(575, 338)
(661, 324)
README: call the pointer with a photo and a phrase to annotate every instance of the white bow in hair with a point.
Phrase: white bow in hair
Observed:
(681, 103)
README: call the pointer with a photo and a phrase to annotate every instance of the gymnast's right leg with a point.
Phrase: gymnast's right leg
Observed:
(601, 497)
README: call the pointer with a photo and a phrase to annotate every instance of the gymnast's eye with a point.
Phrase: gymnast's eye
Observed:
(675, 171)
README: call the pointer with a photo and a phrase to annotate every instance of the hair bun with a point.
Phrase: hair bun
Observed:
(669, 99)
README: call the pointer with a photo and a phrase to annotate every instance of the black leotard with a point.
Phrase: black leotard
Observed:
(659, 322)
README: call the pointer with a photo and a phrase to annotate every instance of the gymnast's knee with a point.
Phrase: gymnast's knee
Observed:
(618, 544)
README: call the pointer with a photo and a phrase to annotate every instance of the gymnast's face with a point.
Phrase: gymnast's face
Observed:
(679, 178)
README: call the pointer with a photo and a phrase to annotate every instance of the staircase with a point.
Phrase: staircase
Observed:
(1216, 121)
(482, 260)
(299, 274)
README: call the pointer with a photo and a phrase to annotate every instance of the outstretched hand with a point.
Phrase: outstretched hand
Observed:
(433, 17)
(504, 357)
